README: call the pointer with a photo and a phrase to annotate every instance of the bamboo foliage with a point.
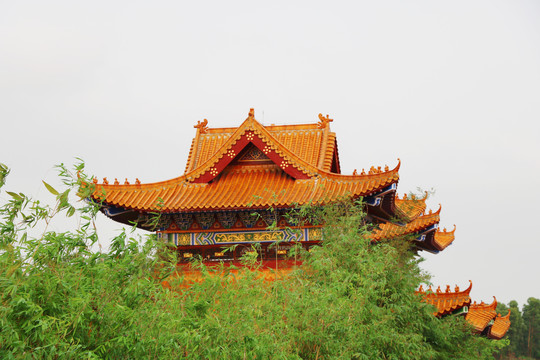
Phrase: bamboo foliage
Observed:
(350, 299)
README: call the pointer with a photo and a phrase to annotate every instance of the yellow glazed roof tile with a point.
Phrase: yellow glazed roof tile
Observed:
(204, 187)
(410, 207)
(310, 142)
(500, 326)
(480, 315)
(389, 230)
(448, 301)
(444, 238)
(242, 187)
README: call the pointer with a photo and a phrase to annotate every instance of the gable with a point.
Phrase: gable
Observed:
(311, 143)
(248, 143)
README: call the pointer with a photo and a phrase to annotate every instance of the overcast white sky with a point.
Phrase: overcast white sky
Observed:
(452, 88)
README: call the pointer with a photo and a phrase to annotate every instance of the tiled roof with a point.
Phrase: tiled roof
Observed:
(500, 326)
(242, 187)
(444, 238)
(256, 166)
(480, 315)
(252, 132)
(214, 182)
(312, 143)
(389, 230)
(446, 302)
(410, 207)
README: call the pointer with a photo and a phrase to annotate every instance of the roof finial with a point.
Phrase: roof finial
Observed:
(251, 114)
(201, 126)
(324, 121)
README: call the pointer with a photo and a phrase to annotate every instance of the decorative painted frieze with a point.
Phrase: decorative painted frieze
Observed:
(234, 237)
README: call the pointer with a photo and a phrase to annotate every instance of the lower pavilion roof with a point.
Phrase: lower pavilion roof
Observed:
(500, 326)
(425, 225)
(446, 302)
(444, 238)
(390, 230)
(480, 315)
(483, 317)
(410, 207)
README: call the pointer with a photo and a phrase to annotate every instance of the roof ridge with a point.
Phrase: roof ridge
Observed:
(438, 292)
(324, 124)
(484, 306)
(444, 231)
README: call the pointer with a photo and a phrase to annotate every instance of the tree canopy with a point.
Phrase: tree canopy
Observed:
(524, 334)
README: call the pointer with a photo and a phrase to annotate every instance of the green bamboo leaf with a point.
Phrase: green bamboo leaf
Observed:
(14, 195)
(50, 188)
(71, 211)
(4, 171)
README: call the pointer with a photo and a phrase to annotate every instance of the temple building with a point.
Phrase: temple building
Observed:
(239, 181)
(239, 184)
